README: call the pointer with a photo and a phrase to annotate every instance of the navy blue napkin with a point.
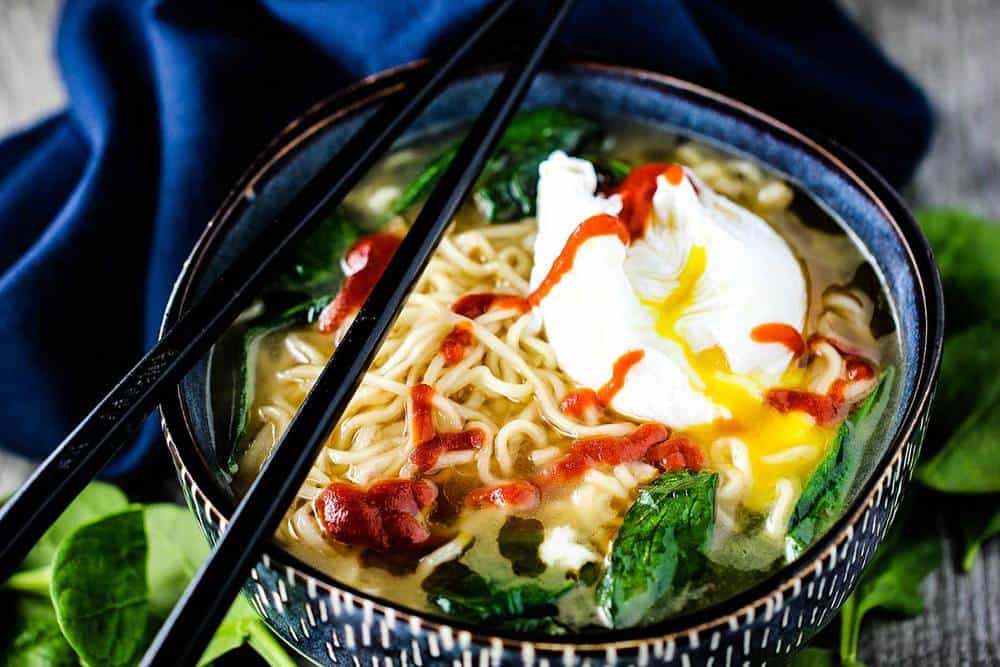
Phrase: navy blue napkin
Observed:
(170, 100)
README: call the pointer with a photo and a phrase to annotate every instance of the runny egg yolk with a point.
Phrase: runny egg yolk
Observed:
(766, 432)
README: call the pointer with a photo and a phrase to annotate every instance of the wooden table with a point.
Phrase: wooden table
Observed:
(952, 48)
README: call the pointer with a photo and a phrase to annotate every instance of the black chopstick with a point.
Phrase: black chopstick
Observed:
(96, 439)
(187, 631)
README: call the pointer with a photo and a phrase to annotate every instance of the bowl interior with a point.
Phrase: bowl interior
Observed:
(590, 90)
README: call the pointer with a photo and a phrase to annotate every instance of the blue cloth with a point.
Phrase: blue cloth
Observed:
(169, 100)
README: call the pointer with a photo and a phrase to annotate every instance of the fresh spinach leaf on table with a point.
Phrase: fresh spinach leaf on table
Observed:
(242, 626)
(825, 492)
(660, 546)
(966, 248)
(176, 549)
(113, 577)
(99, 590)
(30, 634)
(965, 420)
(96, 500)
(891, 582)
(978, 526)
(814, 657)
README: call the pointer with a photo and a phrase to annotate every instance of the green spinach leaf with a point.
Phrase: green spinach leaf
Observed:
(968, 376)
(506, 190)
(660, 547)
(316, 262)
(457, 590)
(31, 637)
(99, 590)
(966, 415)
(892, 582)
(242, 626)
(814, 657)
(966, 248)
(305, 309)
(420, 187)
(825, 492)
(96, 500)
(519, 540)
(176, 549)
(977, 527)
(34, 581)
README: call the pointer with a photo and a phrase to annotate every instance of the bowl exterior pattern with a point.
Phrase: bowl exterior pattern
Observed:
(333, 624)
(334, 627)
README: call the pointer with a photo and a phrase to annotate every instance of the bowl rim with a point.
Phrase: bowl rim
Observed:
(187, 456)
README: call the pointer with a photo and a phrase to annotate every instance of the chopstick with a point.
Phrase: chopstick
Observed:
(96, 439)
(187, 631)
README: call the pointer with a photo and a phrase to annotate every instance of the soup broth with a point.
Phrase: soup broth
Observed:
(576, 423)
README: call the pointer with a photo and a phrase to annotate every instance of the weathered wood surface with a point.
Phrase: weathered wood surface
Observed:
(951, 48)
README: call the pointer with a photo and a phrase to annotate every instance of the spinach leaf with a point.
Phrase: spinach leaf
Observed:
(420, 187)
(892, 582)
(977, 527)
(96, 500)
(966, 248)
(610, 172)
(825, 492)
(507, 188)
(967, 415)
(176, 550)
(660, 547)
(968, 378)
(519, 540)
(457, 590)
(544, 624)
(814, 657)
(305, 309)
(31, 637)
(242, 626)
(315, 263)
(99, 590)
(34, 581)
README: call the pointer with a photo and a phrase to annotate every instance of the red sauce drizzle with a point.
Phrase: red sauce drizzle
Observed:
(425, 456)
(858, 369)
(390, 515)
(598, 225)
(676, 454)
(456, 343)
(421, 413)
(580, 401)
(515, 495)
(429, 445)
(364, 265)
(589, 452)
(637, 190)
(474, 305)
(824, 408)
(777, 332)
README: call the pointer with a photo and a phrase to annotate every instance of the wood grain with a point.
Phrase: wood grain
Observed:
(951, 48)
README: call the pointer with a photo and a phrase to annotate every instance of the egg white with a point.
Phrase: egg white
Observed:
(605, 306)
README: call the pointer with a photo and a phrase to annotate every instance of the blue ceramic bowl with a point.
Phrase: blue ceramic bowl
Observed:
(334, 624)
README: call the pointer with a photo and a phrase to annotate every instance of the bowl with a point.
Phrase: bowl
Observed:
(333, 623)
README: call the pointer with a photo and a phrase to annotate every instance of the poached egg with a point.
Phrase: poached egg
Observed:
(680, 300)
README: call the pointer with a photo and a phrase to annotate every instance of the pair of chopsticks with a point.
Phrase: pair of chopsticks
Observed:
(101, 434)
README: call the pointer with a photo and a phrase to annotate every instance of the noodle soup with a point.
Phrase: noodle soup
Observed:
(634, 379)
